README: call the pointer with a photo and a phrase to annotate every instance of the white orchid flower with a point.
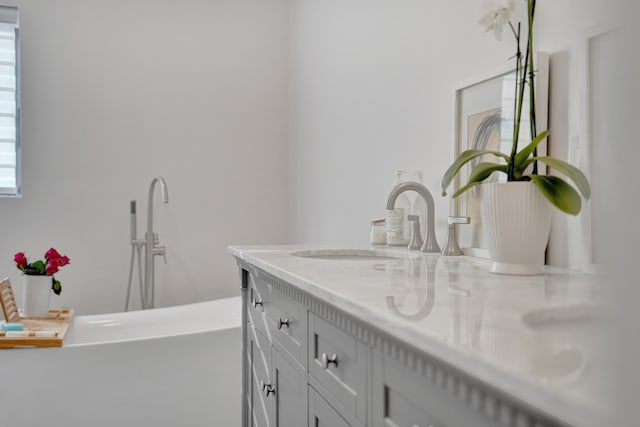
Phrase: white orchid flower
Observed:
(498, 17)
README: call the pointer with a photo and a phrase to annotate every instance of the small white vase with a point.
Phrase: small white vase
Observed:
(516, 218)
(37, 290)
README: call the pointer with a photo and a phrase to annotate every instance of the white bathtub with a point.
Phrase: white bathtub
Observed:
(177, 366)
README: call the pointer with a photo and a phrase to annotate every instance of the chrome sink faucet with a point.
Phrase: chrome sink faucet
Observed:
(152, 248)
(430, 242)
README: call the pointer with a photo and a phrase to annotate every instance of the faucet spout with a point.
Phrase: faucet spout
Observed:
(165, 199)
(430, 241)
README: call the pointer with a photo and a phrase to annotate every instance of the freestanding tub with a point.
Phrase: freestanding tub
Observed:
(176, 366)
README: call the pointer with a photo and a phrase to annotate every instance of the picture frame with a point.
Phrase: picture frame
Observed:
(484, 119)
(588, 149)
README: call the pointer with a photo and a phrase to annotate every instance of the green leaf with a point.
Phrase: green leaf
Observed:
(570, 171)
(464, 158)
(56, 286)
(39, 266)
(523, 155)
(559, 193)
(483, 170)
(480, 172)
(465, 188)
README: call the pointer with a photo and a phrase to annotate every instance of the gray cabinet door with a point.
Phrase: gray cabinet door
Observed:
(321, 414)
(290, 392)
(261, 407)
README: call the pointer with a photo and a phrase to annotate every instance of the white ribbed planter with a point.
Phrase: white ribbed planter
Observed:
(37, 290)
(517, 220)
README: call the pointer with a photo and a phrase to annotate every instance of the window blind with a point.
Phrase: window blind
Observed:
(9, 103)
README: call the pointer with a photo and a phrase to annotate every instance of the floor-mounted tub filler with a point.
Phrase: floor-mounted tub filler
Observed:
(150, 245)
(176, 366)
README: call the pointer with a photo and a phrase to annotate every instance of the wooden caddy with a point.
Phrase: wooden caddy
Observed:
(58, 321)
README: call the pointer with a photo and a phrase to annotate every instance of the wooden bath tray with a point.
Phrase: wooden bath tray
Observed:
(57, 321)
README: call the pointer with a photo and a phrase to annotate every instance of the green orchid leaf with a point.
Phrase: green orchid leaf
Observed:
(483, 170)
(464, 158)
(480, 172)
(559, 193)
(523, 155)
(465, 188)
(570, 171)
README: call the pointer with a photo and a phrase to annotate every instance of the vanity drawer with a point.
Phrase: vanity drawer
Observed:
(256, 301)
(283, 319)
(339, 363)
(403, 398)
(321, 414)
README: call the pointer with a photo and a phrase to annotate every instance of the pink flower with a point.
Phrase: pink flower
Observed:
(20, 260)
(51, 254)
(52, 266)
(63, 260)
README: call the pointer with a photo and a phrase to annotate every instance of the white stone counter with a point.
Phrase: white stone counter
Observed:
(535, 338)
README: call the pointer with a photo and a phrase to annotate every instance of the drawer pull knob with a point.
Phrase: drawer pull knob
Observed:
(257, 303)
(267, 388)
(326, 360)
(282, 323)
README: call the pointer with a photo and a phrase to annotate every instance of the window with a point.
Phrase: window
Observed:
(9, 103)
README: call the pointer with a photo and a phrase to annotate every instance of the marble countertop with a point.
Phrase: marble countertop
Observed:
(536, 338)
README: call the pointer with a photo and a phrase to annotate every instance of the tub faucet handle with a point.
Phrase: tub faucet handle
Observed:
(161, 250)
(451, 248)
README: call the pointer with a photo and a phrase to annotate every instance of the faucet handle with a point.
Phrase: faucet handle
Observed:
(160, 250)
(451, 248)
(416, 236)
(458, 220)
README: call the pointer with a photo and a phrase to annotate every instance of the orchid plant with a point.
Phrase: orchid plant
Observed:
(522, 165)
(47, 267)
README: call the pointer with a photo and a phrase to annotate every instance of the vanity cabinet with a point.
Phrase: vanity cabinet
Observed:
(308, 363)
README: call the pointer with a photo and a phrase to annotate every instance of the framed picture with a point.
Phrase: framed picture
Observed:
(590, 149)
(484, 117)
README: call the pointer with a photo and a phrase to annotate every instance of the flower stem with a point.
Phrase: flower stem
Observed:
(531, 6)
(517, 114)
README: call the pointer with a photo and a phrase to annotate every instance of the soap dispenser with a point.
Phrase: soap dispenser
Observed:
(419, 206)
(397, 223)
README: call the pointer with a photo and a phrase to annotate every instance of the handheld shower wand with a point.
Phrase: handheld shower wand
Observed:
(136, 249)
(132, 217)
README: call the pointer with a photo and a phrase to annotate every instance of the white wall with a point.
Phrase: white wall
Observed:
(372, 92)
(207, 94)
(117, 92)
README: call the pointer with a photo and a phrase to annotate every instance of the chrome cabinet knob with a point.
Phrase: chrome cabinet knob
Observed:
(283, 322)
(257, 303)
(326, 360)
(267, 388)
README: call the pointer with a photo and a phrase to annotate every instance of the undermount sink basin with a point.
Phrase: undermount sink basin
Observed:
(347, 254)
